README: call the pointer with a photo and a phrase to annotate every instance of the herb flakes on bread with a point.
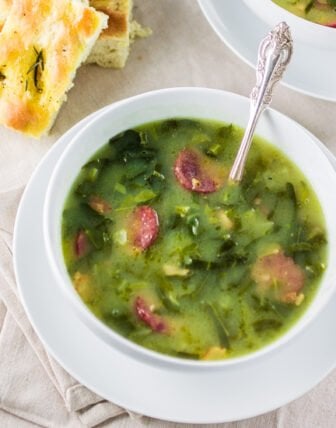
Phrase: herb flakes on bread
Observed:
(42, 43)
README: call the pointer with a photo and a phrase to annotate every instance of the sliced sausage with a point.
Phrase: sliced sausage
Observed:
(197, 173)
(81, 244)
(144, 227)
(145, 314)
(279, 274)
(99, 205)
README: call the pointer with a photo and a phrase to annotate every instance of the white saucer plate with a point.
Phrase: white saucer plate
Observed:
(232, 394)
(311, 71)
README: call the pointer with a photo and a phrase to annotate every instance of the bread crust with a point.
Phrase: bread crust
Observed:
(112, 47)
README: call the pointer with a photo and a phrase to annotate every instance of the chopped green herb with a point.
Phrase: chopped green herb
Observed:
(120, 188)
(37, 68)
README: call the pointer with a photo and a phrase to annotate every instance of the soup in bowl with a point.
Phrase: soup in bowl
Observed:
(312, 22)
(321, 12)
(166, 259)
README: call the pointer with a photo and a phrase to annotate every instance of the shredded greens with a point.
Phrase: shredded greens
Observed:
(194, 292)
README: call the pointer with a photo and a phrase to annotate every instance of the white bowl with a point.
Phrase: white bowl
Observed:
(308, 32)
(192, 103)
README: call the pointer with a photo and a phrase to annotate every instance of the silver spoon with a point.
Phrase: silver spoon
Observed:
(275, 52)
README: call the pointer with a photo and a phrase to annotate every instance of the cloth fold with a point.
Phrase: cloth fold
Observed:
(81, 407)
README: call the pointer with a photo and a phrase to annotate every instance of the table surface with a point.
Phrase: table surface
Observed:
(183, 51)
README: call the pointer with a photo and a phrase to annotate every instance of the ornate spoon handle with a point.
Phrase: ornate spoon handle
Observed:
(275, 52)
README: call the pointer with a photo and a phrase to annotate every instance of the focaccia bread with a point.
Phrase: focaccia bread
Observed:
(42, 43)
(113, 46)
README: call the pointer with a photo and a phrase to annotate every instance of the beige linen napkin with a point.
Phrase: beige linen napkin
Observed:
(183, 51)
(33, 386)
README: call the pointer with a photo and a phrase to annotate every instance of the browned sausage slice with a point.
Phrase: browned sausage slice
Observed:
(145, 314)
(279, 274)
(81, 244)
(197, 173)
(144, 227)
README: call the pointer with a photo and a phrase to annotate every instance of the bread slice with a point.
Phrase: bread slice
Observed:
(113, 46)
(5, 7)
(42, 43)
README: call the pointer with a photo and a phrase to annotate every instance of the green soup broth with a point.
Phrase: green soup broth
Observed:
(321, 12)
(201, 272)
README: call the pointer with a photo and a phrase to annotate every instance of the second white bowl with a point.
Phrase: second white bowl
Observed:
(307, 32)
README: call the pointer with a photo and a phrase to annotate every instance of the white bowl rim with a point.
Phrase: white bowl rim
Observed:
(239, 46)
(125, 345)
